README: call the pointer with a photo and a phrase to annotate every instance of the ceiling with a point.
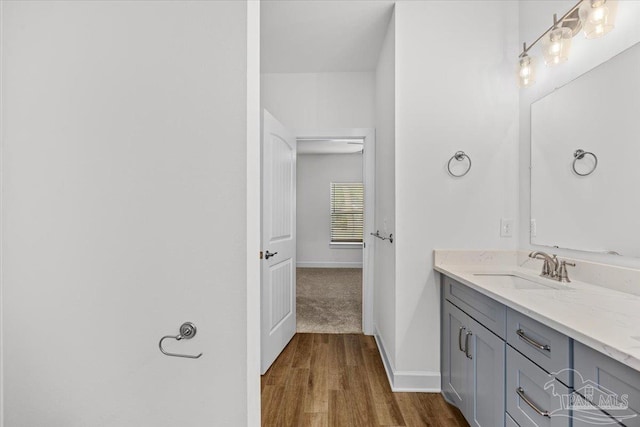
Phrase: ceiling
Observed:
(330, 146)
(305, 36)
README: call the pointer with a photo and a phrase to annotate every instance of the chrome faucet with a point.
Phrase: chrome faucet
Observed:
(550, 266)
(553, 268)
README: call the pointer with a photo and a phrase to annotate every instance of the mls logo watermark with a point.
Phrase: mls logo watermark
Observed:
(588, 401)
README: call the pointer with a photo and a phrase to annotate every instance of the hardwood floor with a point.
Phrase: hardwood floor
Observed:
(338, 380)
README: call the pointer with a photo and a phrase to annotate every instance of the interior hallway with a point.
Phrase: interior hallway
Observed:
(339, 380)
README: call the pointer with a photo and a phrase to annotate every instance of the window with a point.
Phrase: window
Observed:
(347, 212)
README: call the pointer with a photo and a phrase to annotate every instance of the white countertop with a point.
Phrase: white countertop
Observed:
(604, 319)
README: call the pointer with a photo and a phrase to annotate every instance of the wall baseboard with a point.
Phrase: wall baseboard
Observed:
(313, 264)
(407, 381)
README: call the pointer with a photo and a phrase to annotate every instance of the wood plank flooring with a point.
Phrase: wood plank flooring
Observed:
(338, 380)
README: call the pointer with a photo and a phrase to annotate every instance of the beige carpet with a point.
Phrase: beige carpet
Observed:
(329, 300)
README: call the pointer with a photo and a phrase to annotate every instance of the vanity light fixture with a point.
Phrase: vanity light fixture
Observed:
(596, 17)
(556, 44)
(526, 69)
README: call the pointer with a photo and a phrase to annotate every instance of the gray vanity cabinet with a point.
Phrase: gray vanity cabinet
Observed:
(473, 368)
(546, 347)
(504, 369)
(608, 383)
(486, 377)
(454, 359)
(534, 398)
(490, 313)
(589, 416)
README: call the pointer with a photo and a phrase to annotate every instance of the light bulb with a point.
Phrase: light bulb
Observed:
(556, 46)
(526, 71)
(598, 14)
(598, 17)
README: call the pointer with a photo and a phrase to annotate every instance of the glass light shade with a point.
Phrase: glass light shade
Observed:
(556, 46)
(598, 17)
(526, 71)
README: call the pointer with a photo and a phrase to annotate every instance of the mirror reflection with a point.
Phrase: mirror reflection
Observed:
(585, 161)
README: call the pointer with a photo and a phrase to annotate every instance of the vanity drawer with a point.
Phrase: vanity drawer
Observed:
(547, 347)
(598, 377)
(531, 393)
(509, 421)
(488, 312)
(586, 415)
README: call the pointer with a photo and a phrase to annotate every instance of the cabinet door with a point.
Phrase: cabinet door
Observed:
(486, 403)
(455, 364)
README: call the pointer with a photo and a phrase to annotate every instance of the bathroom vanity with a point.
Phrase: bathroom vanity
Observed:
(522, 350)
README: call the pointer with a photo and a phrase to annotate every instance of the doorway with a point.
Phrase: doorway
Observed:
(335, 221)
(280, 217)
(330, 229)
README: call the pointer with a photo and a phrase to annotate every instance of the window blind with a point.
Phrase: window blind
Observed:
(347, 212)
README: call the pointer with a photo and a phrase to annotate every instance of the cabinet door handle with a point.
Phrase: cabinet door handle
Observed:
(532, 342)
(539, 411)
(466, 345)
(462, 328)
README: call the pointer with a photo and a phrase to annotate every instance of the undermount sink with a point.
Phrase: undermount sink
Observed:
(513, 281)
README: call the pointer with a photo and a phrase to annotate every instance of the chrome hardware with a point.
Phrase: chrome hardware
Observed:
(550, 266)
(532, 342)
(563, 275)
(579, 155)
(381, 237)
(466, 345)
(462, 328)
(539, 411)
(268, 254)
(553, 268)
(459, 156)
(187, 331)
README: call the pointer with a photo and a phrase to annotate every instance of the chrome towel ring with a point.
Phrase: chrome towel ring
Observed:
(579, 155)
(459, 156)
(187, 331)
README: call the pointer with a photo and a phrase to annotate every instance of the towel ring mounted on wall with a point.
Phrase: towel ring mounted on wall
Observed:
(579, 155)
(459, 156)
(187, 331)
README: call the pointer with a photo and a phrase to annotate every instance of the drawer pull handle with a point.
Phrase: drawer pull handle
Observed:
(462, 328)
(531, 342)
(539, 411)
(466, 345)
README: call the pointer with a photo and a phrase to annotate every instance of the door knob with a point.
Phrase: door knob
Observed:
(268, 254)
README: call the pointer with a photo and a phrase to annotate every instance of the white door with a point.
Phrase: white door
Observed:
(278, 321)
(123, 213)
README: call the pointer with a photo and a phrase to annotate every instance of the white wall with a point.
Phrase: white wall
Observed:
(124, 128)
(320, 101)
(455, 90)
(585, 55)
(315, 173)
(385, 214)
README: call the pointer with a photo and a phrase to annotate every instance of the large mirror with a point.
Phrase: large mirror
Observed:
(585, 161)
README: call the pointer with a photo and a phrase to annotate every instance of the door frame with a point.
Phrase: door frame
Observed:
(368, 179)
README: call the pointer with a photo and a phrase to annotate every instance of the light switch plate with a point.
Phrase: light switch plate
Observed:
(506, 227)
(533, 228)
